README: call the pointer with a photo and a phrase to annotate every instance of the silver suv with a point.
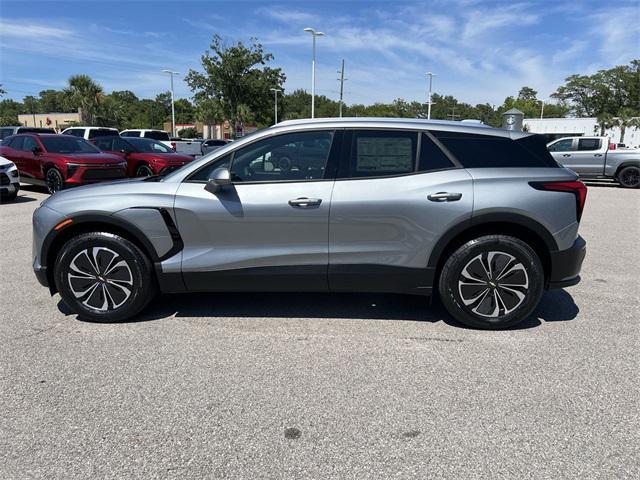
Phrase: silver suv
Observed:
(484, 217)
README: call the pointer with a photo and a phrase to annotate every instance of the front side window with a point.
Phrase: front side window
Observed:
(65, 144)
(205, 172)
(29, 144)
(561, 146)
(587, 144)
(104, 144)
(376, 153)
(16, 143)
(292, 156)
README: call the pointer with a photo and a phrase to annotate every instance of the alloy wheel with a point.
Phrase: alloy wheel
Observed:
(54, 181)
(100, 279)
(630, 177)
(493, 284)
(143, 171)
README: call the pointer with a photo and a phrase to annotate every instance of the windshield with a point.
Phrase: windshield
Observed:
(154, 135)
(67, 144)
(147, 145)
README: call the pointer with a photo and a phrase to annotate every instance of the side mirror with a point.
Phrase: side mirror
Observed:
(36, 150)
(218, 179)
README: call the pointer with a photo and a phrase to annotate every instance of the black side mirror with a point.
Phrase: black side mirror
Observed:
(219, 178)
(36, 150)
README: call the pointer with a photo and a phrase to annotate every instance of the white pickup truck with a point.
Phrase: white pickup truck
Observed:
(191, 147)
(592, 157)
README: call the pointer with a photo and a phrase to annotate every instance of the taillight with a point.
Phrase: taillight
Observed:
(173, 145)
(612, 146)
(578, 188)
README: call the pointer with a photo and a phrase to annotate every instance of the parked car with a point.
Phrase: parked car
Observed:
(9, 180)
(60, 161)
(191, 147)
(209, 146)
(89, 133)
(159, 135)
(145, 157)
(593, 157)
(483, 217)
(8, 131)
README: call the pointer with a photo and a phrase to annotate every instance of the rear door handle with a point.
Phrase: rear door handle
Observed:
(304, 202)
(566, 154)
(444, 197)
(598, 155)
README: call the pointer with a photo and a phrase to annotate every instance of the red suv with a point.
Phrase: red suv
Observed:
(145, 156)
(58, 161)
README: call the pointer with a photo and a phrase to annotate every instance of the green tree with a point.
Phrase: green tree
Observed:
(52, 101)
(9, 111)
(237, 75)
(86, 94)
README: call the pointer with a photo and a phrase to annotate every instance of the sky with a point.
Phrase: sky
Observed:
(481, 51)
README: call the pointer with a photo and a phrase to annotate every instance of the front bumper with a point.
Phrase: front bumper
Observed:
(41, 274)
(566, 264)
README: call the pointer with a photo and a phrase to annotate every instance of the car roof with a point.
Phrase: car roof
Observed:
(408, 123)
(100, 128)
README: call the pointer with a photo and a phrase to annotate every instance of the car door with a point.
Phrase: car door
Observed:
(13, 151)
(31, 160)
(589, 156)
(562, 151)
(267, 230)
(396, 193)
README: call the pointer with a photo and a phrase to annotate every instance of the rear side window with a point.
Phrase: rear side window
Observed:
(376, 153)
(486, 151)
(5, 132)
(431, 157)
(104, 144)
(16, 143)
(130, 134)
(586, 144)
(94, 133)
(157, 135)
(562, 145)
(76, 132)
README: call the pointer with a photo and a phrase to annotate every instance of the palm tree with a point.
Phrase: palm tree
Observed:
(86, 94)
(626, 119)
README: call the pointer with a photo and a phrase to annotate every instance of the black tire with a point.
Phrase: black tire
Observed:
(108, 301)
(629, 177)
(463, 281)
(143, 170)
(54, 180)
(9, 197)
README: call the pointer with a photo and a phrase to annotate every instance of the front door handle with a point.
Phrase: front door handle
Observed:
(304, 202)
(566, 154)
(444, 197)
(598, 155)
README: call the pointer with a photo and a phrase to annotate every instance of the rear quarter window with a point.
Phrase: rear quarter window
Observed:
(487, 151)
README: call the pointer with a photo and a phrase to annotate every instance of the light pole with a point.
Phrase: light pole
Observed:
(173, 110)
(430, 75)
(314, 34)
(275, 108)
(542, 109)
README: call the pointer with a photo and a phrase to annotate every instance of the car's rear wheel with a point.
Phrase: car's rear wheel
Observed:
(103, 277)
(492, 282)
(54, 180)
(143, 171)
(629, 177)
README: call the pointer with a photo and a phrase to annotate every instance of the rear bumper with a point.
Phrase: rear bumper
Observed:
(566, 265)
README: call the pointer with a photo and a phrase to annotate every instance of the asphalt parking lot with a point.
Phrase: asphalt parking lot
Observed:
(325, 386)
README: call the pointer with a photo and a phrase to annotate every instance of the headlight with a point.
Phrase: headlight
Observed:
(14, 173)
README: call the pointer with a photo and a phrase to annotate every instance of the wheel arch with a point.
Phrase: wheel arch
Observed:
(626, 163)
(518, 226)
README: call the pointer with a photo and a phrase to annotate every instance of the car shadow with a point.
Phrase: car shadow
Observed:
(556, 305)
(18, 199)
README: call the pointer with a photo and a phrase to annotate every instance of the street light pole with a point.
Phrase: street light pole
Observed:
(430, 75)
(314, 34)
(173, 110)
(542, 109)
(341, 80)
(275, 108)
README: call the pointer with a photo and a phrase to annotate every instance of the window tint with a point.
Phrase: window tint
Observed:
(156, 135)
(431, 157)
(104, 144)
(377, 153)
(102, 132)
(214, 143)
(561, 145)
(130, 134)
(16, 143)
(119, 145)
(149, 146)
(292, 156)
(487, 151)
(586, 144)
(29, 144)
(35, 130)
(66, 144)
(203, 174)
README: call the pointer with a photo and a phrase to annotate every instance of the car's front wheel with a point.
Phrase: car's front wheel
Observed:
(144, 171)
(629, 177)
(54, 180)
(492, 282)
(103, 277)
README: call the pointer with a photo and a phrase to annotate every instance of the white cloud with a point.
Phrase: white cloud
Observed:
(483, 22)
(25, 29)
(619, 33)
(284, 14)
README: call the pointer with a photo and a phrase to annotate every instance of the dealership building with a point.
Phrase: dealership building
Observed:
(56, 120)
(554, 128)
